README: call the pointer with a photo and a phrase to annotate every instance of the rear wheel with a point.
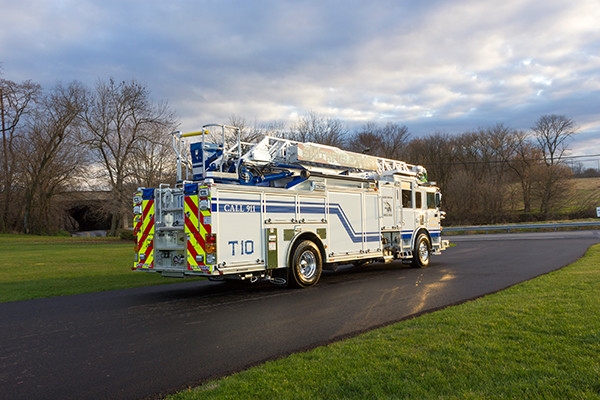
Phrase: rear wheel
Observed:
(306, 265)
(422, 251)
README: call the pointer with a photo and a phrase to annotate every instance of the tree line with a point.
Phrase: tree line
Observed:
(489, 175)
(113, 136)
(72, 138)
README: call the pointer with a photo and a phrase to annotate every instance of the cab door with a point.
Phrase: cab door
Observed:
(433, 213)
(388, 208)
(420, 208)
(407, 214)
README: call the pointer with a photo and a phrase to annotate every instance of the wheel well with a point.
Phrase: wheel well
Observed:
(313, 238)
(426, 232)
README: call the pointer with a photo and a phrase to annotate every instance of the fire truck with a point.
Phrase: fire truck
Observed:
(282, 211)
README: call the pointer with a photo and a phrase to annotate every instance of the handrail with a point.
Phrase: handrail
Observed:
(182, 155)
(551, 225)
(202, 132)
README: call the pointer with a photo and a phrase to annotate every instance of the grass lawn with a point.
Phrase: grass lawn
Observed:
(41, 266)
(537, 340)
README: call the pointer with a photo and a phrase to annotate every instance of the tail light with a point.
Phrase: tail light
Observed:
(211, 243)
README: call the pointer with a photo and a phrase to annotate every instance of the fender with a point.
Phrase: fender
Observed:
(416, 233)
(305, 235)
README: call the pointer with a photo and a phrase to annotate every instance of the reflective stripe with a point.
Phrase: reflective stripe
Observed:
(194, 245)
(197, 226)
(137, 230)
(146, 236)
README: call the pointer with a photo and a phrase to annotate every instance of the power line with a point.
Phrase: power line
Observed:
(592, 157)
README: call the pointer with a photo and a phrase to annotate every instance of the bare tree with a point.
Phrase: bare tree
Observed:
(552, 133)
(16, 100)
(388, 141)
(501, 195)
(393, 138)
(476, 180)
(274, 129)
(50, 156)
(120, 117)
(366, 140)
(151, 160)
(437, 153)
(316, 128)
(524, 159)
(248, 134)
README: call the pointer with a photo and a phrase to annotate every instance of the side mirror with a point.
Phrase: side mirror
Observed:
(438, 199)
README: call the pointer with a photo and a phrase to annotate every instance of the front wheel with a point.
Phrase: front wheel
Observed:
(422, 251)
(306, 265)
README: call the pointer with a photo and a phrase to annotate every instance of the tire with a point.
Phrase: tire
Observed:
(422, 251)
(306, 265)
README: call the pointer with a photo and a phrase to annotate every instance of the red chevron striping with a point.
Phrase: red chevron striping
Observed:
(192, 252)
(207, 227)
(147, 208)
(138, 227)
(149, 226)
(148, 252)
(145, 215)
(190, 225)
(201, 242)
(193, 207)
(142, 240)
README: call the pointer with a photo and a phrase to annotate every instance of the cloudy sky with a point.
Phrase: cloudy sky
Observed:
(448, 66)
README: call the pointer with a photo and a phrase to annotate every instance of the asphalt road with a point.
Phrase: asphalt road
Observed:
(144, 342)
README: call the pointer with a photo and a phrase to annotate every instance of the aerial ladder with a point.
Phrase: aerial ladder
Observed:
(274, 158)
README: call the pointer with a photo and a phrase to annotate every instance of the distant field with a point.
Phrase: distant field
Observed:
(587, 192)
(592, 184)
(41, 266)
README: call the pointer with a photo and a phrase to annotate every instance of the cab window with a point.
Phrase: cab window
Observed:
(431, 203)
(406, 198)
(418, 201)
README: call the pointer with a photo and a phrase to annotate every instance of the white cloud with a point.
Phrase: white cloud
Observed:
(441, 65)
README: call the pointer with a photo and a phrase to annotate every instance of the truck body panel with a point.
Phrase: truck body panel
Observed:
(234, 220)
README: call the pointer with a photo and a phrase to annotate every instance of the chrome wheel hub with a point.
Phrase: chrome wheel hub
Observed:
(423, 251)
(307, 265)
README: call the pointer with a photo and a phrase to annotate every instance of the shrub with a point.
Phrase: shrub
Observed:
(126, 234)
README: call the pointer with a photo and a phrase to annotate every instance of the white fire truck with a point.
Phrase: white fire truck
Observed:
(283, 211)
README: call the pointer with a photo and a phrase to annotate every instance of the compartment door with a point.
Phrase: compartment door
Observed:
(388, 207)
(345, 223)
(371, 228)
(240, 239)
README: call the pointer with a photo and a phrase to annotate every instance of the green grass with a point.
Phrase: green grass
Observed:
(42, 266)
(537, 340)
